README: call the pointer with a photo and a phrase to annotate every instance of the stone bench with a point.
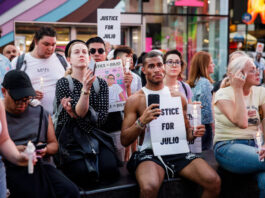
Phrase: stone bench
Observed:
(233, 185)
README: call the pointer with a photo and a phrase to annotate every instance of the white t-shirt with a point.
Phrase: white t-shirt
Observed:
(49, 70)
(224, 128)
(136, 83)
(114, 91)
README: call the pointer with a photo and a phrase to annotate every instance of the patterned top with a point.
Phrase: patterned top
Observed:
(5, 66)
(202, 92)
(99, 102)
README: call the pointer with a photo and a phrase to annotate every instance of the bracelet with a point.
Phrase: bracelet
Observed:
(85, 92)
(139, 124)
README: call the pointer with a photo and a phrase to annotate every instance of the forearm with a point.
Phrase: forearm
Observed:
(128, 91)
(129, 135)
(240, 116)
(82, 105)
(9, 151)
(52, 148)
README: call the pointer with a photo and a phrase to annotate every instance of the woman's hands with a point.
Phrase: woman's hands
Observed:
(67, 106)
(237, 80)
(88, 80)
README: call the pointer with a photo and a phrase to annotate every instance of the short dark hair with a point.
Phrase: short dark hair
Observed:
(122, 49)
(95, 40)
(39, 34)
(151, 54)
(111, 75)
(182, 62)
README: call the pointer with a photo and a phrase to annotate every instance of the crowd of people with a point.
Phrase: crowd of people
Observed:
(56, 101)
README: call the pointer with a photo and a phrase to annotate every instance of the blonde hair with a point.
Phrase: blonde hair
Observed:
(238, 63)
(199, 67)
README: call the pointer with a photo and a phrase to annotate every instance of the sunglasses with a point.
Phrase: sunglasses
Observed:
(93, 50)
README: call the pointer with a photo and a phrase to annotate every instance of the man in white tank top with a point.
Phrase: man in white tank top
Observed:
(149, 169)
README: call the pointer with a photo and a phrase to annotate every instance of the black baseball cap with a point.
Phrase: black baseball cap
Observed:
(18, 84)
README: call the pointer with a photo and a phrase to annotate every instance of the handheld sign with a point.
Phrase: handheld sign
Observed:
(194, 117)
(112, 72)
(260, 47)
(168, 132)
(109, 25)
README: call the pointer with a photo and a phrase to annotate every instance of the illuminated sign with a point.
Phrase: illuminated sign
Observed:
(255, 8)
(189, 3)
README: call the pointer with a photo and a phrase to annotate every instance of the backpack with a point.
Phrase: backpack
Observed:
(58, 110)
(184, 87)
(21, 60)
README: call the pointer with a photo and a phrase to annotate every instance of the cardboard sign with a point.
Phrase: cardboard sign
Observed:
(194, 145)
(168, 133)
(112, 72)
(109, 26)
(260, 47)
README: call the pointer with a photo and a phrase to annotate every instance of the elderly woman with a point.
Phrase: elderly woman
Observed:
(237, 120)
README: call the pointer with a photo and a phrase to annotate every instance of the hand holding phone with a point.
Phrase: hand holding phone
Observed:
(153, 99)
(41, 146)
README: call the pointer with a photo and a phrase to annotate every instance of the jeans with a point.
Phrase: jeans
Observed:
(241, 157)
(2, 179)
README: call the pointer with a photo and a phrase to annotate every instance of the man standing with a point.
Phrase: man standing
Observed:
(96, 49)
(10, 51)
(43, 66)
(149, 169)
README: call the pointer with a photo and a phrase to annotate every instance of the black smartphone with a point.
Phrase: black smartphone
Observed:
(41, 146)
(153, 99)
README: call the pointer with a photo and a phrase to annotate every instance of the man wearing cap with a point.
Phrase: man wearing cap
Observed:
(29, 123)
(43, 66)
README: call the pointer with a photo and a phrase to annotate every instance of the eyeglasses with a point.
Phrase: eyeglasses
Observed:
(93, 50)
(171, 63)
(23, 100)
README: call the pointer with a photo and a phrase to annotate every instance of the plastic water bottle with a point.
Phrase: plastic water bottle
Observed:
(30, 150)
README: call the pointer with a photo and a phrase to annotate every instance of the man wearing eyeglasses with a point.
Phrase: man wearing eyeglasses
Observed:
(28, 123)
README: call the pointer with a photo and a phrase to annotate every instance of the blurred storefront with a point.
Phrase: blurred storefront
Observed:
(186, 25)
(245, 35)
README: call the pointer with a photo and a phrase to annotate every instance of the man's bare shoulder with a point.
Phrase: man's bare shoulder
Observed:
(136, 99)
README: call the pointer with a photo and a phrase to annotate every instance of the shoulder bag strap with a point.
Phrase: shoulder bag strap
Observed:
(62, 60)
(20, 62)
(96, 85)
(184, 87)
(40, 124)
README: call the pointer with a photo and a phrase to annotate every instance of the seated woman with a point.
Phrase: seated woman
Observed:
(77, 104)
(27, 123)
(237, 120)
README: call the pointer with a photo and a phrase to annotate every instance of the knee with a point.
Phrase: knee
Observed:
(149, 189)
(213, 183)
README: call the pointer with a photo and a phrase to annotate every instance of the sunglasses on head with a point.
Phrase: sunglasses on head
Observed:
(93, 50)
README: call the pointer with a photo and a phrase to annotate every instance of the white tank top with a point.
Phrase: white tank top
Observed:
(147, 137)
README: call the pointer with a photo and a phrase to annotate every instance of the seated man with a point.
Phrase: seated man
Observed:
(150, 169)
(28, 123)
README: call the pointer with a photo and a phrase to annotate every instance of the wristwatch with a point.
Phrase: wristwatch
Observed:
(85, 92)
(140, 124)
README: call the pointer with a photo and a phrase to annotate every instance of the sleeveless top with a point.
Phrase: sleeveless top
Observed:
(147, 137)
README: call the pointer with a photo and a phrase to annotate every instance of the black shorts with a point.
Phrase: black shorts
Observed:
(175, 162)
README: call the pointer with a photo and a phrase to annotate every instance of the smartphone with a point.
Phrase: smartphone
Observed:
(153, 99)
(41, 146)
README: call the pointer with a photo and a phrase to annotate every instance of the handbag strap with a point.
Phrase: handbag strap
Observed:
(40, 124)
